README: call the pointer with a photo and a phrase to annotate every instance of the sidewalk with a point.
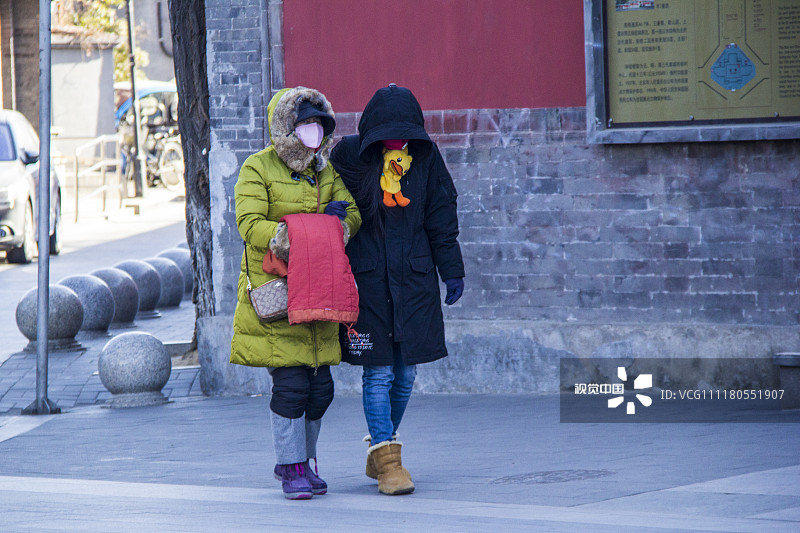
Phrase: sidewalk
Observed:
(95, 241)
(480, 462)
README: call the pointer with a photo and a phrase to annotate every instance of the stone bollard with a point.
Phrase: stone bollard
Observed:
(183, 258)
(171, 281)
(97, 300)
(134, 367)
(148, 281)
(64, 318)
(125, 292)
(789, 374)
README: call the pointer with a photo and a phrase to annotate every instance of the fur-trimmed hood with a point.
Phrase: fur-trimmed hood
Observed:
(282, 113)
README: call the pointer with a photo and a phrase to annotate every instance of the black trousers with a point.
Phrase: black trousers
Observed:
(297, 391)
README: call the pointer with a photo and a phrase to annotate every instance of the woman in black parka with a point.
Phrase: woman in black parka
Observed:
(395, 258)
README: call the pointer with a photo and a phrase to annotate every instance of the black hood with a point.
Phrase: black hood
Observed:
(392, 113)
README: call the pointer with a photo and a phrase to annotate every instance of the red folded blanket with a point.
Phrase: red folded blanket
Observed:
(321, 284)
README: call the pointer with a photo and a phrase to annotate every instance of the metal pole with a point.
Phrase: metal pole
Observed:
(43, 406)
(75, 166)
(103, 171)
(138, 160)
(122, 185)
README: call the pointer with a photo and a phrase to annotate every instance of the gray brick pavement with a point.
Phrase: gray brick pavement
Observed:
(480, 463)
(95, 243)
(73, 378)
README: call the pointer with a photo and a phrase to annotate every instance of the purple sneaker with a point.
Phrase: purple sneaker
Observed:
(318, 485)
(293, 479)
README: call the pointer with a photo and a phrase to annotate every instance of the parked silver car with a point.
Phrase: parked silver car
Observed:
(19, 190)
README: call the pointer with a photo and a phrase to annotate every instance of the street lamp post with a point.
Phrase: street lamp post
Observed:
(42, 405)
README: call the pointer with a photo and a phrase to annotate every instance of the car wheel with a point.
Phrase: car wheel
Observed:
(24, 254)
(55, 237)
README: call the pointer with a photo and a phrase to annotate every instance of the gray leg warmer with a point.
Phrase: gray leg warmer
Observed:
(312, 434)
(289, 439)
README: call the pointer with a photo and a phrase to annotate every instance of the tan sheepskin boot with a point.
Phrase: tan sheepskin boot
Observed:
(393, 479)
(371, 471)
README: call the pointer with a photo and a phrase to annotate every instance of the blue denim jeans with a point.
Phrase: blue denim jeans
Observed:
(385, 393)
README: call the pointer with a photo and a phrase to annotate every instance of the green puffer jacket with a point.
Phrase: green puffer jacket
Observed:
(265, 192)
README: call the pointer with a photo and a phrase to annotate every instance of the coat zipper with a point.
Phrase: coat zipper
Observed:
(316, 183)
(314, 337)
(313, 325)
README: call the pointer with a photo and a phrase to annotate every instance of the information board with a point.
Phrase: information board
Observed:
(674, 62)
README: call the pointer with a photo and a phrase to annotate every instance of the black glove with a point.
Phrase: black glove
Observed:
(455, 288)
(337, 209)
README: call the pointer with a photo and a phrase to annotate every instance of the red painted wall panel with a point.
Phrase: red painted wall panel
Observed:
(453, 54)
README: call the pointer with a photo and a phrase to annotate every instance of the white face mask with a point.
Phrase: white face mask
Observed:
(310, 134)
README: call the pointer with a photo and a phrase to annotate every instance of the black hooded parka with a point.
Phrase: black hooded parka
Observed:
(396, 254)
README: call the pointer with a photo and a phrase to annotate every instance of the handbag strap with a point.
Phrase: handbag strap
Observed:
(247, 269)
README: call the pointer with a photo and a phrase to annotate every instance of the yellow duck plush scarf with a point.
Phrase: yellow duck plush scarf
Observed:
(395, 165)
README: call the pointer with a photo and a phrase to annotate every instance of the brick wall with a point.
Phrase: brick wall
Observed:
(663, 250)
(555, 229)
(239, 90)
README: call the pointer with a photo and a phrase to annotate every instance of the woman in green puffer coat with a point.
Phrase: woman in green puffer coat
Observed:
(291, 176)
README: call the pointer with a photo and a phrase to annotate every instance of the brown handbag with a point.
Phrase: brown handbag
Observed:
(270, 301)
